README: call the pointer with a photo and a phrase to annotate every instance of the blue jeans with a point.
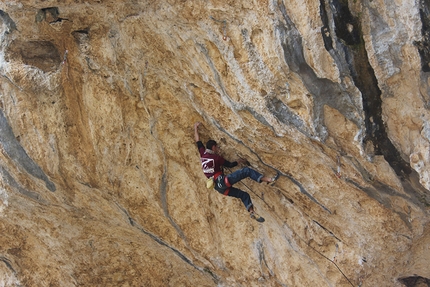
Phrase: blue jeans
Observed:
(243, 173)
(234, 178)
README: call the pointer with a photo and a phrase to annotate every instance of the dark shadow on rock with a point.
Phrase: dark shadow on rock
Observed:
(415, 281)
(40, 54)
(16, 152)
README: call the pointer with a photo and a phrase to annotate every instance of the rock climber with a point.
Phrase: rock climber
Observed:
(212, 163)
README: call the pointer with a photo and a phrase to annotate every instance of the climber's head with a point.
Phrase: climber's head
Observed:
(212, 145)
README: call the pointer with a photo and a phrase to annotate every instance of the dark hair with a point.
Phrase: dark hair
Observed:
(210, 144)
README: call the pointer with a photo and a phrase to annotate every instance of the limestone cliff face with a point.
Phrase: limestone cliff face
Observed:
(101, 183)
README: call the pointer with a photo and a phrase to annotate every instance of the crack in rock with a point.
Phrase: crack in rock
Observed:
(136, 225)
(7, 177)
(323, 91)
(302, 189)
(363, 75)
(10, 24)
(17, 153)
(424, 45)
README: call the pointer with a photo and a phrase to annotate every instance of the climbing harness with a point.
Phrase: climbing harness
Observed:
(224, 27)
(221, 183)
(210, 182)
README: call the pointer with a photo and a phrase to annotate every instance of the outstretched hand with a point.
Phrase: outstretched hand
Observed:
(196, 132)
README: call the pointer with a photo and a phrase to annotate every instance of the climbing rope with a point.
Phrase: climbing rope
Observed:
(224, 27)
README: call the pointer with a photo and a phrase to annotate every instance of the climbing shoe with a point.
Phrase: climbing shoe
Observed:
(257, 217)
(274, 179)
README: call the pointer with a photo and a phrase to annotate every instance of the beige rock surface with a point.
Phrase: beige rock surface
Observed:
(101, 183)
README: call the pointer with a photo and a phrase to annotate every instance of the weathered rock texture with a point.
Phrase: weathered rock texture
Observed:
(101, 182)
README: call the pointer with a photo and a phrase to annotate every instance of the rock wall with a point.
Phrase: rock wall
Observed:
(101, 183)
